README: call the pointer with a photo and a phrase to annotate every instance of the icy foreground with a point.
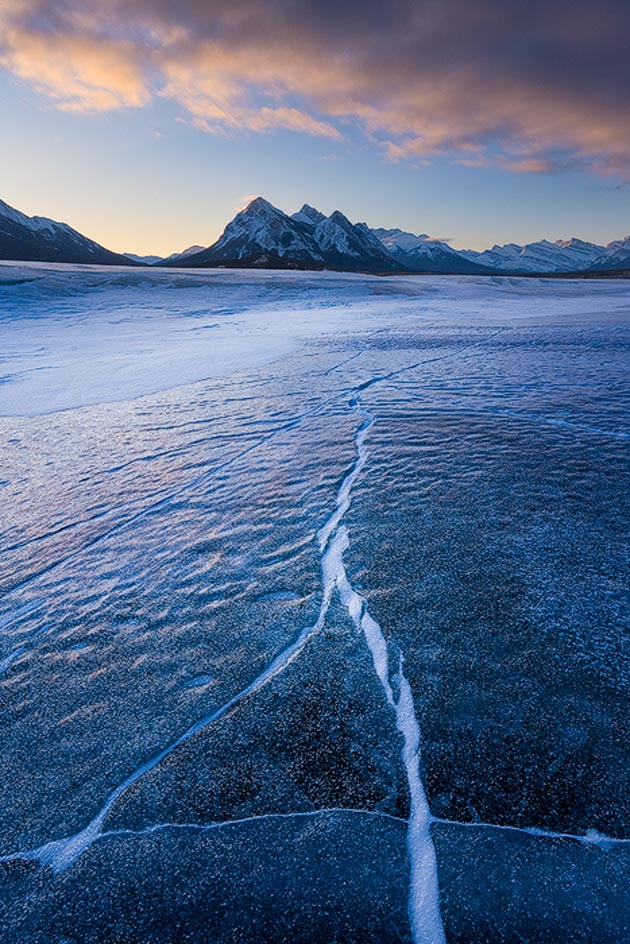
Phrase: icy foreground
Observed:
(313, 621)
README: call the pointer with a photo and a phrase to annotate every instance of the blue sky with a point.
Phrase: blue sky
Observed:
(157, 146)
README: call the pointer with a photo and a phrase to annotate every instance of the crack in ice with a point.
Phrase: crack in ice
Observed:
(592, 837)
(246, 820)
(424, 897)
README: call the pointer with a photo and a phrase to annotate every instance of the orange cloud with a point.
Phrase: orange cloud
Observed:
(78, 73)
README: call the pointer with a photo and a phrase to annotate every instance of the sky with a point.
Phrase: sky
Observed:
(147, 124)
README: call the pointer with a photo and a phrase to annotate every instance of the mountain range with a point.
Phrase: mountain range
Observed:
(174, 257)
(262, 236)
(570, 255)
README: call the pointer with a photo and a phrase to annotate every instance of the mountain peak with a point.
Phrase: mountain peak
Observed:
(395, 232)
(618, 243)
(309, 215)
(260, 205)
(337, 217)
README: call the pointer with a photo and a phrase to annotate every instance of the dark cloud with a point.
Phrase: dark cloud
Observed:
(536, 87)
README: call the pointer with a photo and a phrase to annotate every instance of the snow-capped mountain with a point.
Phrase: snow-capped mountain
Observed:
(352, 246)
(344, 244)
(616, 256)
(423, 254)
(570, 255)
(39, 239)
(157, 260)
(178, 256)
(144, 260)
(262, 235)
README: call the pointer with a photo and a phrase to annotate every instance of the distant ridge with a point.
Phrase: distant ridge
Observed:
(38, 239)
(184, 254)
(423, 254)
(564, 255)
(143, 260)
(616, 257)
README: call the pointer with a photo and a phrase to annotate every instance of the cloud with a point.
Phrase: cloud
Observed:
(80, 71)
(535, 87)
(215, 121)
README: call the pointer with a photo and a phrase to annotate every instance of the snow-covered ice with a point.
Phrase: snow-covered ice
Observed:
(151, 330)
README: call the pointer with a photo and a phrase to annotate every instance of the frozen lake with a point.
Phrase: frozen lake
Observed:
(314, 608)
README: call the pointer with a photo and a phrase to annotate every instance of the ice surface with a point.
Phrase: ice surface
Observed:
(313, 621)
(153, 330)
